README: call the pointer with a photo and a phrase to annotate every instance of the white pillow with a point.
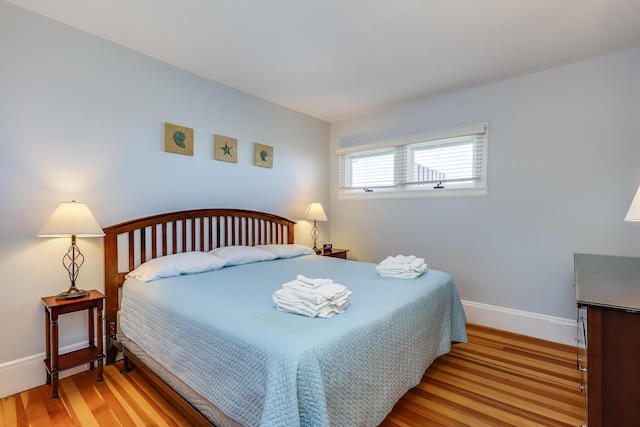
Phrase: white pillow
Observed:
(287, 251)
(175, 265)
(236, 255)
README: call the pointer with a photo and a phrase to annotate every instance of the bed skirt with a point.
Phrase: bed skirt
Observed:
(199, 403)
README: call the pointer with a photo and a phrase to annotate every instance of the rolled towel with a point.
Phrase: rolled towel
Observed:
(313, 283)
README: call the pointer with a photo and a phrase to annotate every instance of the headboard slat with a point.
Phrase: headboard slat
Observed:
(154, 241)
(201, 245)
(143, 244)
(164, 239)
(132, 248)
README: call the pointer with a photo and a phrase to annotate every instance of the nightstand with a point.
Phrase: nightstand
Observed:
(55, 362)
(335, 253)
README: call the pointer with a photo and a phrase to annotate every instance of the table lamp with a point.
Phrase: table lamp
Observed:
(71, 219)
(316, 213)
(633, 214)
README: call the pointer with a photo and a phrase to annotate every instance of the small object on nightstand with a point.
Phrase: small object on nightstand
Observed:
(335, 253)
(55, 362)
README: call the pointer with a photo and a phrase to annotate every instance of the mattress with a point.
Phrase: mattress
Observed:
(220, 333)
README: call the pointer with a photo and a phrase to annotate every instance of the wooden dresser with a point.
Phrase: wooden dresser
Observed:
(608, 298)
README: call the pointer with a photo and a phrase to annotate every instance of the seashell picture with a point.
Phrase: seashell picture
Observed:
(264, 156)
(178, 139)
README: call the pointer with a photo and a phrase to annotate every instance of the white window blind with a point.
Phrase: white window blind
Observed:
(450, 162)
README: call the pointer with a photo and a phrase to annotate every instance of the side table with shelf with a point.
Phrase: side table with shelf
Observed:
(92, 354)
(335, 253)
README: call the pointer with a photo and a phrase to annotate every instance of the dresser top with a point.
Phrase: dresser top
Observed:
(606, 280)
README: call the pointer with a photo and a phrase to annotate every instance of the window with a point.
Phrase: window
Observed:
(436, 164)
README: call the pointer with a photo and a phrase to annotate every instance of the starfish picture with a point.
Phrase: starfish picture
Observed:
(226, 150)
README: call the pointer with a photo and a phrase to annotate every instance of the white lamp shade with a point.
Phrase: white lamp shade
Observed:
(71, 218)
(633, 214)
(315, 212)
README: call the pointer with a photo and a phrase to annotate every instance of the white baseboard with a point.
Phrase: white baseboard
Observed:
(23, 374)
(536, 325)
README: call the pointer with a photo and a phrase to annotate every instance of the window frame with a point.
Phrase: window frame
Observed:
(403, 149)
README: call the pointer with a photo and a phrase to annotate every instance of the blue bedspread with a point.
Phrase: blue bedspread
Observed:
(221, 333)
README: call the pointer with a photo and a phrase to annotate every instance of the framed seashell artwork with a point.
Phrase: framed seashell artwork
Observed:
(225, 148)
(178, 139)
(264, 156)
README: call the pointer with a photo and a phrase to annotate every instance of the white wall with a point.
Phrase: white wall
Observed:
(82, 118)
(564, 157)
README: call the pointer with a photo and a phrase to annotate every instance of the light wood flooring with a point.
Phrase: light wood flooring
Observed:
(497, 379)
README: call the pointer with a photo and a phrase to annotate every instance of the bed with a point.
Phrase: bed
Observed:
(215, 343)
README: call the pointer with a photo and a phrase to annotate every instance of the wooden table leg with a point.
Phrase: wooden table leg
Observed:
(54, 354)
(47, 342)
(92, 365)
(100, 340)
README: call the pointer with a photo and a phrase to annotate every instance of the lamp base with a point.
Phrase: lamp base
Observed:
(315, 232)
(72, 293)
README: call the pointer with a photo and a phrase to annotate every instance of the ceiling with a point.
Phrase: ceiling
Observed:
(336, 59)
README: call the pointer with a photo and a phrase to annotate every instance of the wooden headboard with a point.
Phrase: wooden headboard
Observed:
(130, 243)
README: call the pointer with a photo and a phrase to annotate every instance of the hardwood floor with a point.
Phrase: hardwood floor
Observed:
(497, 379)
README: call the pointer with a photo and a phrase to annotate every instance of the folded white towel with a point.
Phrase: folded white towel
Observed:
(324, 300)
(284, 302)
(289, 297)
(329, 291)
(399, 274)
(313, 283)
(404, 267)
(298, 309)
(399, 259)
(295, 295)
